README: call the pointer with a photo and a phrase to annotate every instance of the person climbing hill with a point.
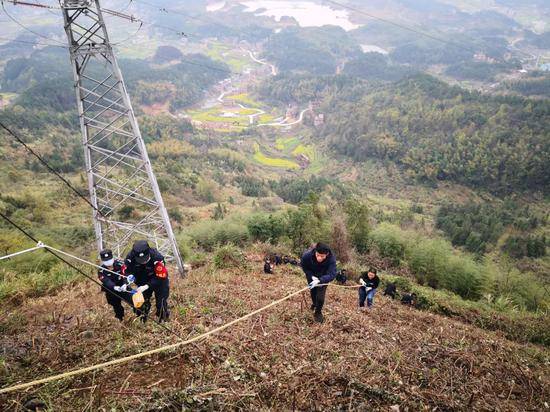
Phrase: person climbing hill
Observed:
(369, 281)
(319, 266)
(151, 276)
(113, 284)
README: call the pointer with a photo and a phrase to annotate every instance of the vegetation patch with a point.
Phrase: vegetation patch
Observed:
(273, 161)
(286, 144)
(244, 99)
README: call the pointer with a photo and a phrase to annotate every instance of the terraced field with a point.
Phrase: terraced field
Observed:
(273, 161)
(237, 60)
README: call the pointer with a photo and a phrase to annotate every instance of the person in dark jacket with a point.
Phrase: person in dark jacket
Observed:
(391, 290)
(267, 267)
(113, 282)
(342, 276)
(319, 266)
(151, 276)
(369, 283)
(409, 299)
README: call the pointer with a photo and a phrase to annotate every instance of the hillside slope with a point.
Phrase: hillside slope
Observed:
(278, 360)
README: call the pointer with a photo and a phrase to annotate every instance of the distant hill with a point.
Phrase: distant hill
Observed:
(439, 132)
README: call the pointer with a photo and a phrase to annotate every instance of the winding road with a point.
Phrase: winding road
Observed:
(259, 112)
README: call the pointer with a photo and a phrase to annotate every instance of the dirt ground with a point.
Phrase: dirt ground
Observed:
(392, 358)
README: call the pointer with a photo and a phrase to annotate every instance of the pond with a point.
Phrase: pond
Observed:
(369, 48)
(306, 13)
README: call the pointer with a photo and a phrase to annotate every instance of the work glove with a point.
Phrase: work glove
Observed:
(142, 289)
(314, 282)
(367, 289)
(120, 288)
(362, 282)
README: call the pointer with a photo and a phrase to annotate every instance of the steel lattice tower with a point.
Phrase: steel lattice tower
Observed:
(122, 184)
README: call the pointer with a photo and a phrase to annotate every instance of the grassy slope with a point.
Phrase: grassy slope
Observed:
(277, 360)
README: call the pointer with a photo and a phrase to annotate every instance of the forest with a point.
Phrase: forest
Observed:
(435, 131)
(311, 50)
(44, 80)
(478, 227)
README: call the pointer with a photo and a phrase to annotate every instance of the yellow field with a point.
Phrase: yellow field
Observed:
(309, 151)
(272, 161)
(285, 144)
(244, 99)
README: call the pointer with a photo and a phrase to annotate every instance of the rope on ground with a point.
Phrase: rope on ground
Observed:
(146, 353)
(40, 245)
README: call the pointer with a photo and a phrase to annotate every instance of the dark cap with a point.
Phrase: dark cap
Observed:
(142, 251)
(322, 248)
(106, 254)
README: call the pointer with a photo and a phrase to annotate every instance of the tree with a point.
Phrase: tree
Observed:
(357, 222)
(340, 242)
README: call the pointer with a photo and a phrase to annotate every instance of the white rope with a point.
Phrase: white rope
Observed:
(40, 245)
(85, 261)
(146, 353)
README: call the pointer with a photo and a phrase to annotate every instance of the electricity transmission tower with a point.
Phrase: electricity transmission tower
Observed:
(123, 188)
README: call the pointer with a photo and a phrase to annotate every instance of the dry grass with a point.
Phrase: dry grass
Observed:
(279, 360)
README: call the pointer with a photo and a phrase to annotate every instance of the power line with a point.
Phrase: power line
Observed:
(26, 28)
(356, 10)
(372, 16)
(31, 42)
(114, 13)
(202, 19)
(401, 26)
(142, 22)
(51, 169)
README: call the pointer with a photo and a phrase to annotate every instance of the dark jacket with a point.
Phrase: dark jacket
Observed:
(110, 280)
(267, 268)
(371, 283)
(145, 274)
(325, 271)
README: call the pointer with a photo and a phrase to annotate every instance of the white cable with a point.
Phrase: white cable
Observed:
(84, 261)
(40, 245)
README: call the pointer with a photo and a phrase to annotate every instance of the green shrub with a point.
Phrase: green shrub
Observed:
(491, 313)
(427, 259)
(229, 256)
(433, 262)
(266, 228)
(390, 242)
(357, 222)
(525, 290)
(463, 276)
(209, 234)
(401, 283)
(306, 226)
(33, 262)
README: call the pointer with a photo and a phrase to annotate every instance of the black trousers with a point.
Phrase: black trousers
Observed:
(161, 289)
(318, 297)
(115, 300)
